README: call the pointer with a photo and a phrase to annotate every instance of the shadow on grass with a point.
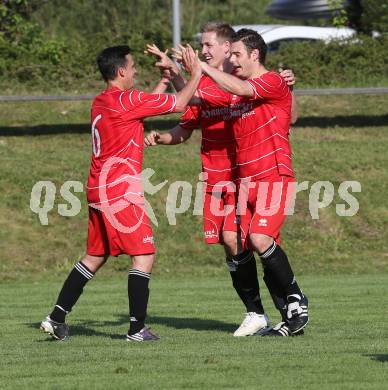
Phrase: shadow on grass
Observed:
(74, 128)
(163, 124)
(192, 323)
(343, 121)
(378, 357)
(90, 328)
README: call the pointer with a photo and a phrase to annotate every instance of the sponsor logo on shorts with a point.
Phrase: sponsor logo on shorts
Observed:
(263, 222)
(148, 239)
(211, 234)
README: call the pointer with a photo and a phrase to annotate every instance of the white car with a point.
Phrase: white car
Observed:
(274, 35)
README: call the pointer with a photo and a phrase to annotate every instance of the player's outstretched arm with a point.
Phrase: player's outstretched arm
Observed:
(163, 84)
(175, 136)
(228, 82)
(166, 64)
(294, 109)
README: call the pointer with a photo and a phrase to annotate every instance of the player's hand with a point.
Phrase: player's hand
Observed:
(177, 53)
(152, 139)
(190, 60)
(164, 62)
(288, 76)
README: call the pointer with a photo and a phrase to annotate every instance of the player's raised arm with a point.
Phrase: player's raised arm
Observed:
(165, 63)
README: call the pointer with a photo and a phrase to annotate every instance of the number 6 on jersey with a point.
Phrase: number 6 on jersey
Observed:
(96, 139)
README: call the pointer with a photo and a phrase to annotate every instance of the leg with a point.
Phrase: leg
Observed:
(242, 268)
(71, 290)
(138, 293)
(243, 271)
(241, 264)
(271, 203)
(282, 282)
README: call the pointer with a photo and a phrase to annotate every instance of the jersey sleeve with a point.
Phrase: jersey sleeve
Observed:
(142, 104)
(270, 86)
(190, 119)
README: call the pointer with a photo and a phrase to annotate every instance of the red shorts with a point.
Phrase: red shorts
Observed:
(128, 232)
(263, 204)
(219, 214)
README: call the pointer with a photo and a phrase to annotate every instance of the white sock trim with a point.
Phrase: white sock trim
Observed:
(137, 272)
(61, 308)
(83, 270)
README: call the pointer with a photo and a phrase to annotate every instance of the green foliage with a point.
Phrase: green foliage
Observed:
(340, 18)
(338, 63)
(374, 16)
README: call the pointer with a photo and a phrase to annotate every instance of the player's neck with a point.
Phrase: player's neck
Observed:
(259, 71)
(115, 84)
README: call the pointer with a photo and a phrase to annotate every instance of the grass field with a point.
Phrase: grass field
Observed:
(345, 345)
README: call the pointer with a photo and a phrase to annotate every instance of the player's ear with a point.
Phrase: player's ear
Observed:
(121, 72)
(255, 54)
(227, 46)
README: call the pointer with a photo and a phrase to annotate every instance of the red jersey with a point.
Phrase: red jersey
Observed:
(218, 150)
(118, 142)
(261, 127)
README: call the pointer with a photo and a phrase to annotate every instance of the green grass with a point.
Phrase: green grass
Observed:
(344, 347)
(337, 138)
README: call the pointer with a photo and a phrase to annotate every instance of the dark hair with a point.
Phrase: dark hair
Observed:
(111, 59)
(252, 40)
(223, 31)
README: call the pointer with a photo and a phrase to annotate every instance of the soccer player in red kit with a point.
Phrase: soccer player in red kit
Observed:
(218, 155)
(118, 223)
(260, 113)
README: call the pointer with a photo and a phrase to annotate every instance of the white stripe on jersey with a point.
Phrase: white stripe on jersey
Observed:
(257, 83)
(171, 108)
(122, 105)
(116, 181)
(162, 104)
(257, 174)
(264, 140)
(202, 92)
(141, 194)
(219, 170)
(257, 159)
(130, 98)
(106, 108)
(270, 169)
(258, 128)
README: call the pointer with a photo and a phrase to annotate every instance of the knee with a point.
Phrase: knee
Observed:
(144, 262)
(261, 242)
(229, 240)
(94, 263)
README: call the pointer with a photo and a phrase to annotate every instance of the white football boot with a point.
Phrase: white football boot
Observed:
(252, 324)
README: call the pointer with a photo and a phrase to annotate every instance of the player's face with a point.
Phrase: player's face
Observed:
(129, 72)
(214, 50)
(242, 61)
